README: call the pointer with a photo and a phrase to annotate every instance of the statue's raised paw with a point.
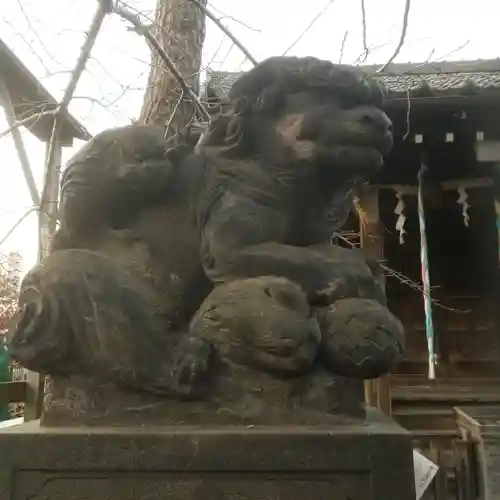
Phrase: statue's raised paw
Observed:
(360, 338)
(263, 322)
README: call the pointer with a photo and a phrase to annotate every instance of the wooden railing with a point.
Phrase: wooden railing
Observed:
(479, 429)
(16, 391)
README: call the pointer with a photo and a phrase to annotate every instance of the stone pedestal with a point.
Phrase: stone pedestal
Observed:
(371, 460)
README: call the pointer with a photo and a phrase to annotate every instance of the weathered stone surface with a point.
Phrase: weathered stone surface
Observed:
(240, 397)
(346, 462)
(207, 275)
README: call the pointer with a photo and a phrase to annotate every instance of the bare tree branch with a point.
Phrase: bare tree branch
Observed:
(234, 19)
(366, 50)
(27, 122)
(308, 27)
(342, 46)
(16, 225)
(225, 31)
(172, 116)
(187, 90)
(51, 169)
(402, 37)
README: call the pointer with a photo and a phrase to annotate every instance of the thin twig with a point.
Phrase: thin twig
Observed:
(153, 23)
(16, 225)
(401, 38)
(363, 20)
(186, 89)
(27, 122)
(408, 95)
(224, 15)
(308, 27)
(225, 30)
(342, 46)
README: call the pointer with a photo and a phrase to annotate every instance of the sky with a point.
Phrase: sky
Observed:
(47, 37)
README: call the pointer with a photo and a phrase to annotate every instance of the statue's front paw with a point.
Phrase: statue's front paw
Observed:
(191, 366)
(360, 338)
(263, 322)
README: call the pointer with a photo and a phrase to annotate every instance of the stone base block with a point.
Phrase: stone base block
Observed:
(371, 460)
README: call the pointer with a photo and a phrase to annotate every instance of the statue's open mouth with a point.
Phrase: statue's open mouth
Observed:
(359, 139)
(370, 140)
(384, 143)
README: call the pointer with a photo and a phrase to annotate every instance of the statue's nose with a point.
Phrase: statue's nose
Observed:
(373, 117)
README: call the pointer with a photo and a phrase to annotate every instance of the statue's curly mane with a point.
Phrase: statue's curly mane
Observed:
(259, 94)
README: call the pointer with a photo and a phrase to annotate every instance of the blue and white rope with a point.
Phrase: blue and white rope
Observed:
(424, 261)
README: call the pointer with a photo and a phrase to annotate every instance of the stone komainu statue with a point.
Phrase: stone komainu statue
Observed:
(208, 275)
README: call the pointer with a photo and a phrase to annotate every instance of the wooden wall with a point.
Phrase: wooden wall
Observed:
(462, 263)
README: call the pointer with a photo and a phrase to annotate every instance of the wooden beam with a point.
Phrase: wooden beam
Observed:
(378, 391)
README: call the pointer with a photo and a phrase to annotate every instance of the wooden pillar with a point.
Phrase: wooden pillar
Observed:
(377, 391)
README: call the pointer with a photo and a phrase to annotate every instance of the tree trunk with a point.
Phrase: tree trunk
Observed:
(180, 28)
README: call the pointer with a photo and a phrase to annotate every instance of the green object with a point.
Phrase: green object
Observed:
(5, 376)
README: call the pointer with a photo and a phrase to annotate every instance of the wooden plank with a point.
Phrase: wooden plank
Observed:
(427, 395)
(455, 382)
(434, 433)
(489, 451)
(406, 390)
(468, 479)
(12, 392)
(425, 421)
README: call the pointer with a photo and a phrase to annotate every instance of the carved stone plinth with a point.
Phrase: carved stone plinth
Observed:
(351, 462)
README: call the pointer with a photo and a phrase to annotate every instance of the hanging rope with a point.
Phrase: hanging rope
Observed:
(424, 261)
